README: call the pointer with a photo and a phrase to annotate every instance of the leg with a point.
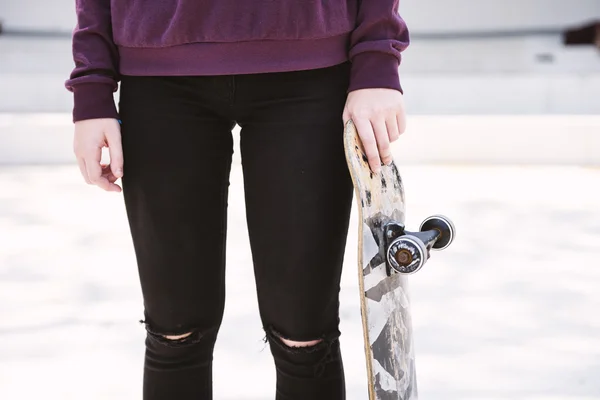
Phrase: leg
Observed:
(298, 201)
(176, 198)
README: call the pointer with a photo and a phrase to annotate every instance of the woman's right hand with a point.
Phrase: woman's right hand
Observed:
(90, 137)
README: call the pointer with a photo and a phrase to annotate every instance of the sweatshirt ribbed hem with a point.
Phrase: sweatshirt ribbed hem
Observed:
(234, 58)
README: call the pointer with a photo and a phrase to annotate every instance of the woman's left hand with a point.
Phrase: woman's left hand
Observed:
(379, 117)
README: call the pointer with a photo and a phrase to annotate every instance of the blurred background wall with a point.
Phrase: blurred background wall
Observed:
(467, 57)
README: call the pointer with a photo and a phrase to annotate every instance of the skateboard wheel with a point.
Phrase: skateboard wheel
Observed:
(407, 254)
(443, 225)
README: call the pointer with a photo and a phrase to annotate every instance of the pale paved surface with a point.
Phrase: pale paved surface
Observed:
(510, 311)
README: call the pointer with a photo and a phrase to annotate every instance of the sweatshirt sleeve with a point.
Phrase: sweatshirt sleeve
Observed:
(376, 45)
(95, 76)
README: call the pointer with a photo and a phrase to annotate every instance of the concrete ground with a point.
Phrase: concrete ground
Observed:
(509, 311)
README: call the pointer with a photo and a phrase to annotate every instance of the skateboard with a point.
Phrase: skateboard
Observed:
(387, 255)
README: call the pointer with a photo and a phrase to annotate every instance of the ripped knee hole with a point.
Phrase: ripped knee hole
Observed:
(293, 343)
(177, 337)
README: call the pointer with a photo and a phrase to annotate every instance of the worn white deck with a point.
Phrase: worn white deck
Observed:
(509, 311)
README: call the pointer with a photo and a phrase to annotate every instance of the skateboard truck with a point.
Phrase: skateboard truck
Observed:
(407, 251)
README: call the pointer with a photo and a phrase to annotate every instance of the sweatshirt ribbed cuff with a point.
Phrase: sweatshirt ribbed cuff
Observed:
(93, 100)
(374, 70)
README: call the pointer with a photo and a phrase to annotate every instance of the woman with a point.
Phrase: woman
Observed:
(289, 72)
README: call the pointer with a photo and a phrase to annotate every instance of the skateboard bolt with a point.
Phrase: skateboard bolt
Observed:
(403, 257)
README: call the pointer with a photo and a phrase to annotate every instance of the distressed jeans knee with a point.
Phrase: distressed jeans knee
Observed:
(174, 359)
(182, 337)
(314, 372)
(171, 349)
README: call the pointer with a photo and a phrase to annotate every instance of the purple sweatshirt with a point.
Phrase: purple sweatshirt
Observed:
(218, 37)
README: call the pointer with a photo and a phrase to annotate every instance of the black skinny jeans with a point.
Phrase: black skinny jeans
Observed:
(178, 148)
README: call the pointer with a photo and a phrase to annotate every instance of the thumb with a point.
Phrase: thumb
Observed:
(115, 150)
(346, 115)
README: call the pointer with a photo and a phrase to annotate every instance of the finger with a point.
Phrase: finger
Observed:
(383, 140)
(107, 173)
(115, 149)
(346, 116)
(367, 137)
(401, 119)
(83, 170)
(112, 186)
(94, 169)
(392, 128)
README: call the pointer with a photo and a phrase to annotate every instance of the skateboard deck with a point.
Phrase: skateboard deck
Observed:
(385, 304)
(386, 256)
